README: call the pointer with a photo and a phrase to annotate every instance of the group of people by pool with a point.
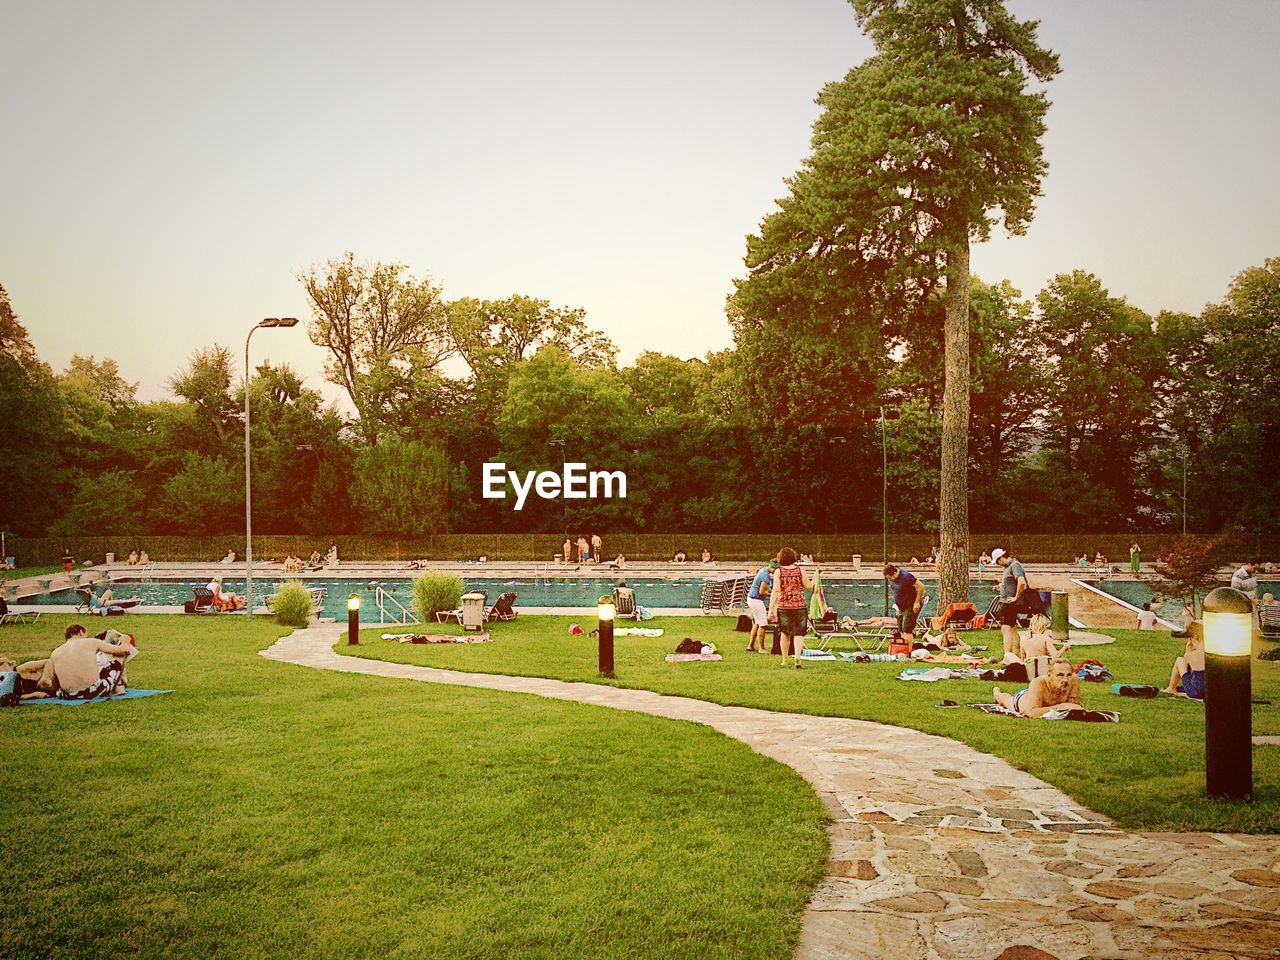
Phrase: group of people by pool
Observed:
(82, 667)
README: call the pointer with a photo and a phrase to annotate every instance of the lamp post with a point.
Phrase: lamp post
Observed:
(353, 620)
(835, 509)
(605, 648)
(248, 501)
(563, 500)
(1228, 728)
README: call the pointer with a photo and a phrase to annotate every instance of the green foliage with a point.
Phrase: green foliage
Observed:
(103, 504)
(293, 605)
(206, 496)
(434, 592)
(401, 488)
(1188, 568)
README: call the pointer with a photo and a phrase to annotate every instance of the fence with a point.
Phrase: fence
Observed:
(1033, 548)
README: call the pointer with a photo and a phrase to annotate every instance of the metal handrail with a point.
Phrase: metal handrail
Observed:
(380, 596)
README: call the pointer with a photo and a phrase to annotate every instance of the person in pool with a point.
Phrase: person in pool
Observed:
(1188, 669)
(1059, 688)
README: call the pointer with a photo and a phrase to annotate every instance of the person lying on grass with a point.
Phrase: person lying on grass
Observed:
(1188, 669)
(1059, 688)
(34, 682)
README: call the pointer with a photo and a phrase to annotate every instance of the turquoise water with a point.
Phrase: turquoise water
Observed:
(861, 598)
(1137, 593)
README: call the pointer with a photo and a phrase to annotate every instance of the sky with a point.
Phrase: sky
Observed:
(168, 168)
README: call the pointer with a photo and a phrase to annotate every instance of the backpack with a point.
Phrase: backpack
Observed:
(689, 645)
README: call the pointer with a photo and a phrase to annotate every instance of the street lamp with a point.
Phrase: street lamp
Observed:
(1228, 733)
(353, 620)
(248, 502)
(605, 612)
(835, 507)
(884, 503)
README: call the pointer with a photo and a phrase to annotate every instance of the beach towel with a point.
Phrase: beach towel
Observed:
(639, 632)
(1087, 716)
(131, 694)
(1135, 690)
(687, 657)
(928, 676)
(813, 653)
(437, 637)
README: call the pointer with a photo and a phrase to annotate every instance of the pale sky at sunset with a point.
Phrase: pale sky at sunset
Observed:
(168, 167)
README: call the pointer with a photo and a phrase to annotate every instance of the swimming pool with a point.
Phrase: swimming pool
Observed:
(859, 598)
(1138, 592)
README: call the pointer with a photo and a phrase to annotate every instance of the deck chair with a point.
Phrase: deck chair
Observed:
(502, 611)
(957, 616)
(1269, 620)
(203, 602)
(624, 604)
(455, 615)
(84, 599)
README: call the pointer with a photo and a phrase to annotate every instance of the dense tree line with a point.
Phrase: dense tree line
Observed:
(1084, 412)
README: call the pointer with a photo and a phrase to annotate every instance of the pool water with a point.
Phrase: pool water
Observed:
(858, 598)
(1137, 593)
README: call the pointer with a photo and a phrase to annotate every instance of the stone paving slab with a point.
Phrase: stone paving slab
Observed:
(939, 852)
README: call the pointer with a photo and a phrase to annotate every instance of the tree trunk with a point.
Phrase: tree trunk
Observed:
(953, 564)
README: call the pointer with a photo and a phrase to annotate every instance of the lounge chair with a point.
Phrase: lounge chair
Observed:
(957, 616)
(503, 611)
(203, 602)
(84, 599)
(455, 615)
(624, 604)
(1269, 620)
(31, 616)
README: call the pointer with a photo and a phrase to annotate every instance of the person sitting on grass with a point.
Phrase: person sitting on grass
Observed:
(1059, 688)
(225, 601)
(680, 557)
(1188, 669)
(1039, 642)
(133, 558)
(85, 667)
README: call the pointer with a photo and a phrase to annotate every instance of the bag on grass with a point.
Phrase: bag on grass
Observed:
(745, 623)
(689, 645)
(10, 689)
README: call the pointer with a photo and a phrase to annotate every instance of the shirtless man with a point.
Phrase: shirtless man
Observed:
(1060, 687)
(35, 682)
(85, 667)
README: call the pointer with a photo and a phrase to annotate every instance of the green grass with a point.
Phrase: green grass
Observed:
(1146, 772)
(266, 809)
(23, 572)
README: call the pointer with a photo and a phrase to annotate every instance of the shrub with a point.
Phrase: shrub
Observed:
(293, 605)
(434, 592)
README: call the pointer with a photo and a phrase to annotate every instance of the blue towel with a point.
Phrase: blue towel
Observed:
(130, 694)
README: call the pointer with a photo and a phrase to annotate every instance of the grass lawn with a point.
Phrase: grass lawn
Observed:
(23, 572)
(1146, 772)
(265, 809)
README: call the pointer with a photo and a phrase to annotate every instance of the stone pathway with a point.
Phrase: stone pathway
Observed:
(939, 852)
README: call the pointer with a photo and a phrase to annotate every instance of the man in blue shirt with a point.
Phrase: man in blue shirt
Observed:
(758, 604)
(908, 597)
(1012, 585)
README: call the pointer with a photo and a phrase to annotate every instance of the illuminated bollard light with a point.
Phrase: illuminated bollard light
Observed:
(605, 649)
(353, 620)
(1228, 727)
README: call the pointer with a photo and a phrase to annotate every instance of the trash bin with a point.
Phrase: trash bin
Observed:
(472, 611)
(111, 558)
(857, 562)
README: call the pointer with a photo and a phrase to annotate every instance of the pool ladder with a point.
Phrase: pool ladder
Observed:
(382, 598)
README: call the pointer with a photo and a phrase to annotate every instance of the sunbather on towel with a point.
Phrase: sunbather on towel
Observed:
(848, 623)
(1188, 669)
(35, 678)
(85, 667)
(1059, 688)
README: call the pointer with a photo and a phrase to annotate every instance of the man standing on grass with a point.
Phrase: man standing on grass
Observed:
(1012, 584)
(758, 605)
(908, 597)
(597, 547)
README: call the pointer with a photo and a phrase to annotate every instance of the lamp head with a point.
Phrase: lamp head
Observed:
(1228, 623)
(270, 322)
(605, 609)
(288, 322)
(353, 602)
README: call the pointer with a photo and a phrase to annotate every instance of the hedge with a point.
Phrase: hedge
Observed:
(1035, 548)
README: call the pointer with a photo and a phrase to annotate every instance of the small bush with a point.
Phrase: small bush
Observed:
(434, 592)
(293, 605)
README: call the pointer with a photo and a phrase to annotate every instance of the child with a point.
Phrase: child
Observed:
(1188, 669)
(1039, 643)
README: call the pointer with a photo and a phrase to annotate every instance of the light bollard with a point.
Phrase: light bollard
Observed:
(1228, 724)
(605, 612)
(353, 620)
